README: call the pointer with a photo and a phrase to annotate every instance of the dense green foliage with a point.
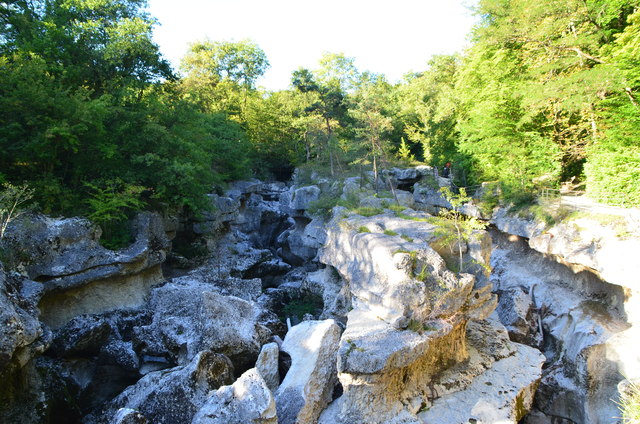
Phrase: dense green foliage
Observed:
(90, 112)
(86, 100)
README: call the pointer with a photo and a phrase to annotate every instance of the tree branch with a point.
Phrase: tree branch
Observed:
(630, 94)
(583, 54)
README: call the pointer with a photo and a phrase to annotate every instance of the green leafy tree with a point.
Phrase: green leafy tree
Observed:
(329, 105)
(338, 70)
(613, 164)
(506, 142)
(428, 110)
(371, 124)
(111, 204)
(220, 76)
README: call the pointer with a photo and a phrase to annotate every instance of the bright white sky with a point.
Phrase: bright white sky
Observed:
(392, 37)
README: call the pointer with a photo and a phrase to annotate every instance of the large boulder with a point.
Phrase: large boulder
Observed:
(247, 401)
(225, 211)
(308, 386)
(428, 196)
(303, 196)
(304, 239)
(84, 335)
(190, 316)
(267, 365)
(174, 395)
(520, 316)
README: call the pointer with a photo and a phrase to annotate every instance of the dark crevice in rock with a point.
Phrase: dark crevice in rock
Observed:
(578, 314)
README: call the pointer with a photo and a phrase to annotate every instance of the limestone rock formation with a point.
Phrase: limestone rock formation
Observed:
(84, 335)
(496, 386)
(412, 338)
(226, 210)
(587, 339)
(190, 316)
(335, 293)
(267, 365)
(247, 401)
(520, 316)
(171, 396)
(80, 276)
(308, 386)
(391, 276)
(303, 196)
(22, 336)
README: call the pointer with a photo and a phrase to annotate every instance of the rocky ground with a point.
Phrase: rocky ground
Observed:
(348, 315)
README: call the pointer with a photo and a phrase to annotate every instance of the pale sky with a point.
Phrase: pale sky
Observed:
(392, 37)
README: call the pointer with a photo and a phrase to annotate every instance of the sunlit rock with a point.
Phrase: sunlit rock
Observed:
(308, 386)
(247, 401)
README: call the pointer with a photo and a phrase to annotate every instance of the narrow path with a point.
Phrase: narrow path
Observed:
(583, 203)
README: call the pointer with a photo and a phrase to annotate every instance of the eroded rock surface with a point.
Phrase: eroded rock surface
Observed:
(174, 395)
(247, 401)
(78, 275)
(587, 341)
(307, 388)
(411, 338)
(22, 336)
(190, 317)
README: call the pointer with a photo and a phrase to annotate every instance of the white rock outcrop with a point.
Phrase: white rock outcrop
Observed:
(412, 325)
(247, 401)
(307, 388)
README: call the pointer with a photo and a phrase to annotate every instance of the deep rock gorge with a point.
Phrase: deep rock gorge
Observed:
(348, 316)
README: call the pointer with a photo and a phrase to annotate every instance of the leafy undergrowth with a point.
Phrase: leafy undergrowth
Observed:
(297, 308)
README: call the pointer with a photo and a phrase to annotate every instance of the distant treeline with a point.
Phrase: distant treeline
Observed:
(97, 123)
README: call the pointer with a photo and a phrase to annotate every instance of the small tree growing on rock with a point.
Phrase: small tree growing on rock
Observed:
(454, 227)
(11, 199)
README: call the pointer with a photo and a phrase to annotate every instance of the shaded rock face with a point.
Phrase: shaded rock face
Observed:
(78, 275)
(171, 396)
(22, 336)
(585, 335)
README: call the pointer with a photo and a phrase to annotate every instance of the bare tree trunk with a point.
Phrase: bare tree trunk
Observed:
(630, 94)
(393, 190)
(329, 137)
(375, 173)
